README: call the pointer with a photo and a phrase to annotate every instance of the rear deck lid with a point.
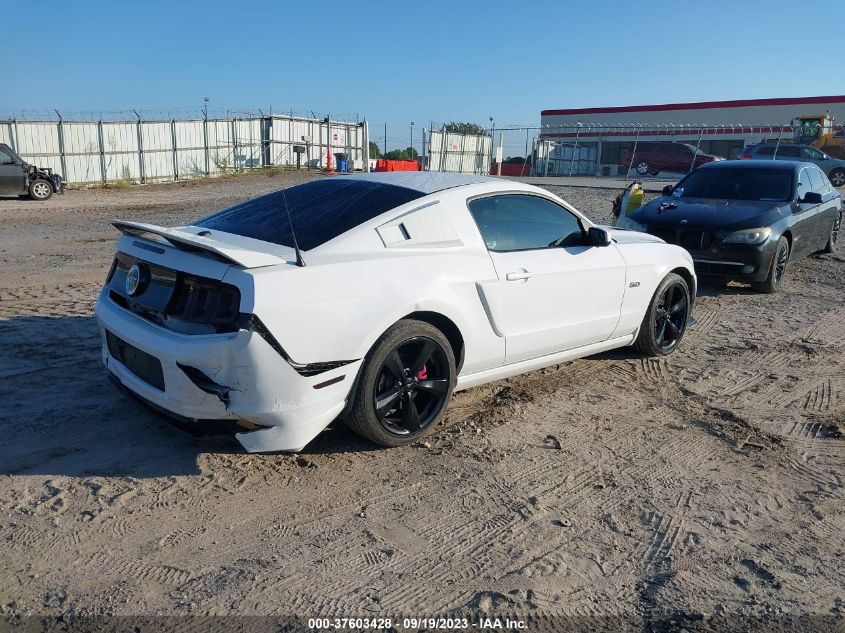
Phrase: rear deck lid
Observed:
(236, 249)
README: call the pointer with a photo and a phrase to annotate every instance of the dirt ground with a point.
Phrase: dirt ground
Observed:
(685, 491)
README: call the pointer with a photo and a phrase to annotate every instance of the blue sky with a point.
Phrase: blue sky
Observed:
(398, 62)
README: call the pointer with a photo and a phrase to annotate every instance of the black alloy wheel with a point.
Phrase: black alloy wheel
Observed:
(670, 319)
(405, 384)
(777, 269)
(412, 387)
(781, 258)
(665, 322)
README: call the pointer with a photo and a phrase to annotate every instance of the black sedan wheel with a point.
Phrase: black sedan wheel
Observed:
(777, 269)
(832, 241)
(406, 383)
(666, 319)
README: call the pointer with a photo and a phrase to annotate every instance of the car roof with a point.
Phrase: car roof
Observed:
(776, 144)
(773, 165)
(425, 182)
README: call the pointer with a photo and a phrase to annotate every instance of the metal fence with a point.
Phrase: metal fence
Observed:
(461, 153)
(631, 150)
(142, 151)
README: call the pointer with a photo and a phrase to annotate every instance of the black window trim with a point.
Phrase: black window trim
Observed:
(581, 219)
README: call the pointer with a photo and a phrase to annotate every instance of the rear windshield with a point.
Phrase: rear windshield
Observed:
(770, 185)
(320, 211)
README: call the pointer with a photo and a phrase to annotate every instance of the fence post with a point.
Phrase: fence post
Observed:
(575, 149)
(546, 153)
(61, 131)
(234, 145)
(205, 140)
(697, 149)
(365, 146)
(142, 172)
(777, 145)
(633, 152)
(175, 151)
(430, 136)
(102, 151)
(14, 135)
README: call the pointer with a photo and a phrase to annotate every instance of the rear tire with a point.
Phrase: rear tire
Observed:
(832, 241)
(777, 269)
(643, 168)
(665, 321)
(40, 189)
(837, 177)
(406, 382)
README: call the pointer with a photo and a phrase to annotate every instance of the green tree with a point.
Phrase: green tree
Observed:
(402, 154)
(463, 128)
(375, 152)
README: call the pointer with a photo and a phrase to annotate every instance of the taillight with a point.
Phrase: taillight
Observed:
(198, 300)
(745, 156)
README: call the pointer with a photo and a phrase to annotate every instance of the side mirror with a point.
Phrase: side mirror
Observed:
(598, 237)
(668, 189)
(811, 197)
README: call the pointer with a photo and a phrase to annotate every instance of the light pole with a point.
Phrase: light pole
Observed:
(205, 107)
(412, 141)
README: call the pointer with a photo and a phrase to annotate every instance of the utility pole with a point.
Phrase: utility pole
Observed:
(385, 140)
(412, 141)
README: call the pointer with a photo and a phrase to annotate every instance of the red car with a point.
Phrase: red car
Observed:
(652, 157)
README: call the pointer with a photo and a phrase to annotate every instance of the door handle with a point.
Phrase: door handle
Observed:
(519, 275)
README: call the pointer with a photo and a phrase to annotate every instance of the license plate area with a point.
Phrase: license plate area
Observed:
(143, 365)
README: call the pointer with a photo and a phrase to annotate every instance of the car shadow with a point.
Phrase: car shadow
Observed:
(60, 414)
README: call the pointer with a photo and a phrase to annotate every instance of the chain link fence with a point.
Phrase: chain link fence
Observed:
(633, 150)
(649, 150)
(142, 150)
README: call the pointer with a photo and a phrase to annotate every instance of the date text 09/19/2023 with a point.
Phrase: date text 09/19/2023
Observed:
(416, 623)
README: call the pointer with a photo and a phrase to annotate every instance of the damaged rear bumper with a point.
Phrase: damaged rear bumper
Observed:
(235, 376)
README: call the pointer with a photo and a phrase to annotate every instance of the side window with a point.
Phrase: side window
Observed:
(522, 222)
(788, 151)
(803, 184)
(817, 181)
(766, 151)
(5, 159)
(809, 152)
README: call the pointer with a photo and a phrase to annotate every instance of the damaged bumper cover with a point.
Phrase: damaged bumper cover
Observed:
(236, 376)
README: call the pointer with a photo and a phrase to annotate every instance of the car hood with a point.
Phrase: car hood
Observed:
(708, 213)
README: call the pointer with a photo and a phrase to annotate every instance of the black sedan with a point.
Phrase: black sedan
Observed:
(746, 220)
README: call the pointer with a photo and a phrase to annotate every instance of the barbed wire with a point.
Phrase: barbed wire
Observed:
(167, 114)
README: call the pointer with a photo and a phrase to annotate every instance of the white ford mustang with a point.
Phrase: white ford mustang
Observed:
(372, 298)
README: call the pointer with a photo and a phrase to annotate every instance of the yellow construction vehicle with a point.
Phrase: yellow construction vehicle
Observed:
(818, 130)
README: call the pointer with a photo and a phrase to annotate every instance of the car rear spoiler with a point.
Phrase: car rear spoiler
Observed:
(187, 241)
